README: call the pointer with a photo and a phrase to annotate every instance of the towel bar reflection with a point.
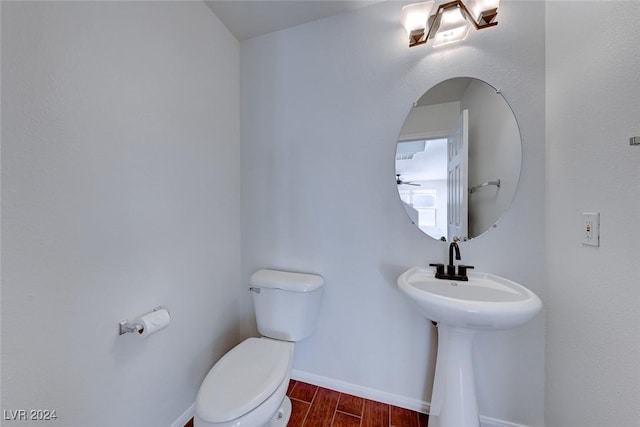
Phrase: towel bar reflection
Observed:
(484, 184)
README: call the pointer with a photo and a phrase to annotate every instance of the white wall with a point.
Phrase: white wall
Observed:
(322, 105)
(592, 109)
(120, 163)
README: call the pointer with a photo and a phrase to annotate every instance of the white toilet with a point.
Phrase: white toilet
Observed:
(247, 386)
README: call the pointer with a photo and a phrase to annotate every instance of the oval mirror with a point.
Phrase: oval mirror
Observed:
(458, 159)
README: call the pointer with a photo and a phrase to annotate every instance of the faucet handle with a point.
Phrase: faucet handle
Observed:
(462, 269)
(439, 269)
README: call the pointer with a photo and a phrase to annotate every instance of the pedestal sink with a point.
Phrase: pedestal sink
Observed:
(485, 302)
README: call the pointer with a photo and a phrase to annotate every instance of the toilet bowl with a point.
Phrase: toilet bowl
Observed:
(247, 386)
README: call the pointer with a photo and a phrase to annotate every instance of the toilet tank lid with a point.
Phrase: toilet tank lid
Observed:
(286, 280)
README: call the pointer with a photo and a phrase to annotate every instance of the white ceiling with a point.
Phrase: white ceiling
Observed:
(251, 18)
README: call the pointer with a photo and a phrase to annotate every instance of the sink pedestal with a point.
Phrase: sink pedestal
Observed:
(453, 401)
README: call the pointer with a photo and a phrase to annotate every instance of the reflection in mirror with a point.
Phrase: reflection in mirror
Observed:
(458, 159)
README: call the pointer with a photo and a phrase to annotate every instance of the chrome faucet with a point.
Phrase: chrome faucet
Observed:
(451, 268)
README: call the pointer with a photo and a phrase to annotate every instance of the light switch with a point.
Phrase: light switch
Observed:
(591, 229)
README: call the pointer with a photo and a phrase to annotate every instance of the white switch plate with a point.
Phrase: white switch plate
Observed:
(591, 229)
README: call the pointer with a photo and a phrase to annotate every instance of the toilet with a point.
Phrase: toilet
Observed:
(247, 386)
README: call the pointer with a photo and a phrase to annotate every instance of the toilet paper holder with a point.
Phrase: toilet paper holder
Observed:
(132, 328)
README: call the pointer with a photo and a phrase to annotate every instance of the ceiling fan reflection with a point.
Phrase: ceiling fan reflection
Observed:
(399, 181)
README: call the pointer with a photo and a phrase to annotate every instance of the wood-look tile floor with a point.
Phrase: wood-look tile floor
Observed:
(314, 406)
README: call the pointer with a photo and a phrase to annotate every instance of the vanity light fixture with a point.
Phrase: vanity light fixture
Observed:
(450, 22)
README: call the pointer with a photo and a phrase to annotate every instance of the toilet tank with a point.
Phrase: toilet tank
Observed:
(286, 304)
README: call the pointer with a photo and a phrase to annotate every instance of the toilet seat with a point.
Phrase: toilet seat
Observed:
(243, 379)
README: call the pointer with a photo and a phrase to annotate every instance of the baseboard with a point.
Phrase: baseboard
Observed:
(383, 396)
(492, 422)
(185, 417)
(360, 391)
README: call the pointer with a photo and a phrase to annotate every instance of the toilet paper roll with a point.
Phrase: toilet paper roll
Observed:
(153, 322)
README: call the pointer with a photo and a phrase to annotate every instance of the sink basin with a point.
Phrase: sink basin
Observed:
(486, 301)
(461, 309)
